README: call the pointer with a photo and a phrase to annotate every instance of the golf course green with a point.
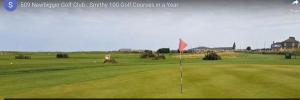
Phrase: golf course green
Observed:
(83, 75)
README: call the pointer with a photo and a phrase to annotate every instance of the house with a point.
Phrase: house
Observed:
(131, 50)
(204, 49)
(125, 50)
(223, 48)
(288, 44)
(199, 49)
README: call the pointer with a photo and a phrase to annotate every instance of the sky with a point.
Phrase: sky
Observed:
(210, 23)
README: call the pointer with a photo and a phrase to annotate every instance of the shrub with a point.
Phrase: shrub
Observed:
(62, 55)
(163, 50)
(150, 54)
(147, 54)
(174, 51)
(211, 55)
(270, 53)
(112, 61)
(288, 56)
(22, 57)
(159, 56)
(108, 59)
(297, 52)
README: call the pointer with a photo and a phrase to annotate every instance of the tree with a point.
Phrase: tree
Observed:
(234, 46)
(248, 48)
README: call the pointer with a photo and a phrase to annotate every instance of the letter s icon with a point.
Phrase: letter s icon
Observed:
(10, 5)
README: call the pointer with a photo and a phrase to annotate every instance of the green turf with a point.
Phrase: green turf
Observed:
(83, 75)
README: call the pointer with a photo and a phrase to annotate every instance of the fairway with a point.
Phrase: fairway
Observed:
(83, 75)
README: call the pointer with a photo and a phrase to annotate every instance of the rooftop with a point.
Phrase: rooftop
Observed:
(290, 39)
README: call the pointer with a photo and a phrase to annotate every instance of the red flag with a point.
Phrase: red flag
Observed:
(182, 45)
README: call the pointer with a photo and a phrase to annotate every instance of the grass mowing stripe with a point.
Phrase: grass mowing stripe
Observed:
(70, 76)
(238, 75)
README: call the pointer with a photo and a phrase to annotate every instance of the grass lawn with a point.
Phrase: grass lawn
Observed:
(85, 76)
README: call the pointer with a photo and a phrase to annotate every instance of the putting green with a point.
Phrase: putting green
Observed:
(84, 75)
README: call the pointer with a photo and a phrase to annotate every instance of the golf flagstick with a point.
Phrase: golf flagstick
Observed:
(182, 45)
(181, 72)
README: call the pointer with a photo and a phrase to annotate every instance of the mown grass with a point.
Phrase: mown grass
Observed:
(238, 75)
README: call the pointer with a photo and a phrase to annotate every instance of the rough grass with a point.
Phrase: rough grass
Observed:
(84, 75)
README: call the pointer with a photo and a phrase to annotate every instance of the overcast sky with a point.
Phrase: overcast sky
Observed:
(211, 23)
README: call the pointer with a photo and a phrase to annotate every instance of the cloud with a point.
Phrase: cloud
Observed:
(202, 23)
